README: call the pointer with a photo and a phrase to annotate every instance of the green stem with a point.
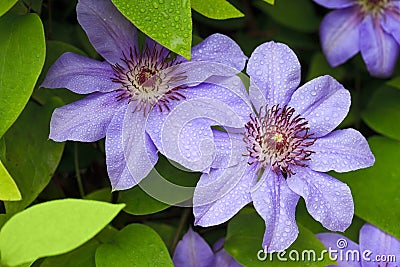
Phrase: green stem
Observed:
(182, 222)
(77, 171)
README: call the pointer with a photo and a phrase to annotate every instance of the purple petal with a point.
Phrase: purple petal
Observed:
(380, 244)
(192, 250)
(391, 21)
(323, 102)
(80, 74)
(341, 151)
(336, 3)
(276, 204)
(222, 193)
(328, 200)
(221, 257)
(222, 49)
(230, 149)
(274, 74)
(139, 151)
(117, 169)
(378, 49)
(85, 120)
(188, 124)
(108, 30)
(343, 246)
(339, 33)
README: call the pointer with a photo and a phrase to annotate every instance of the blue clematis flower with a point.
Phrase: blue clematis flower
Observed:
(375, 248)
(371, 27)
(282, 152)
(193, 250)
(131, 90)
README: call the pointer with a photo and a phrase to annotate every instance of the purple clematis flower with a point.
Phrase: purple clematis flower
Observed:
(131, 88)
(371, 27)
(288, 144)
(376, 248)
(193, 250)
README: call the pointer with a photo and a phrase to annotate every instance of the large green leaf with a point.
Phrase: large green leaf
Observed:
(135, 245)
(5, 5)
(22, 53)
(31, 158)
(53, 228)
(298, 15)
(270, 1)
(216, 9)
(383, 112)
(169, 22)
(376, 189)
(244, 239)
(8, 189)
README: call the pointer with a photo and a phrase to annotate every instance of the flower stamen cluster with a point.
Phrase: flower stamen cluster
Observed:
(376, 8)
(277, 138)
(145, 79)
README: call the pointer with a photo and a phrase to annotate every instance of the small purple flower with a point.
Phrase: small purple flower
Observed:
(376, 248)
(193, 250)
(282, 152)
(371, 27)
(131, 88)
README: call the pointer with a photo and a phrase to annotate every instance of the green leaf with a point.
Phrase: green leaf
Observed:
(244, 242)
(80, 257)
(383, 112)
(135, 245)
(5, 5)
(216, 9)
(165, 185)
(319, 66)
(169, 22)
(53, 228)
(8, 189)
(395, 82)
(31, 158)
(270, 1)
(376, 189)
(22, 53)
(287, 12)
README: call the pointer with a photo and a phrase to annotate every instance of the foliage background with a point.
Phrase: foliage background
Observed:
(136, 229)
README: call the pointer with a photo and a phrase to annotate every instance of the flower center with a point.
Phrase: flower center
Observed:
(146, 78)
(373, 7)
(277, 138)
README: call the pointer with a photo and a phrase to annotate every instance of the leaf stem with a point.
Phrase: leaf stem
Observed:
(77, 171)
(182, 222)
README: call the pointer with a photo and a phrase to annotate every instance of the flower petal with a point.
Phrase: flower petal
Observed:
(346, 247)
(205, 105)
(341, 151)
(274, 73)
(85, 120)
(139, 151)
(323, 102)
(222, 193)
(117, 169)
(391, 21)
(379, 243)
(339, 34)
(110, 33)
(336, 3)
(276, 204)
(222, 49)
(230, 149)
(192, 250)
(221, 257)
(80, 74)
(328, 200)
(378, 49)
